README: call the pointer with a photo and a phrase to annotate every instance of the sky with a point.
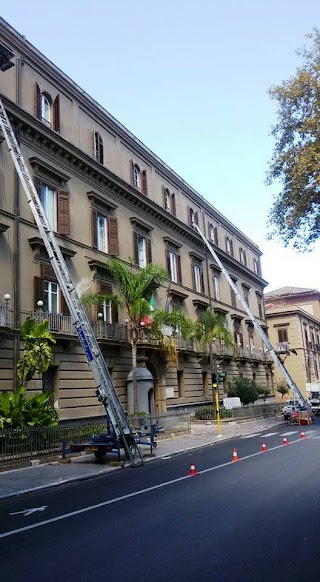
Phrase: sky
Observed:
(190, 80)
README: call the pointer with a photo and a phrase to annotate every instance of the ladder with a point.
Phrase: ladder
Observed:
(105, 389)
(302, 401)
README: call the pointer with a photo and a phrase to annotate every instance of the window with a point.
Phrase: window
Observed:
(260, 305)
(243, 257)
(216, 287)
(51, 297)
(256, 267)
(180, 380)
(55, 205)
(213, 233)
(109, 312)
(46, 114)
(142, 250)
(104, 232)
(169, 201)
(282, 335)
(233, 295)
(193, 217)
(246, 294)
(47, 110)
(237, 333)
(102, 226)
(174, 266)
(46, 289)
(138, 178)
(197, 276)
(98, 147)
(229, 246)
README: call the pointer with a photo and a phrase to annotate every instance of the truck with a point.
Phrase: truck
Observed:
(315, 402)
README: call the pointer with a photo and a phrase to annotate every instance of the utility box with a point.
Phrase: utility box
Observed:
(230, 403)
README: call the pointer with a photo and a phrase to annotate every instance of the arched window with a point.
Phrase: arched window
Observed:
(98, 147)
(136, 176)
(167, 200)
(46, 108)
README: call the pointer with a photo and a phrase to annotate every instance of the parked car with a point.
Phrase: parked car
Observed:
(315, 402)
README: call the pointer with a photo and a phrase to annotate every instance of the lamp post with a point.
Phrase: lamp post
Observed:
(7, 298)
(100, 318)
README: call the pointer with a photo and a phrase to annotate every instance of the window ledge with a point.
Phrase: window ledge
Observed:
(46, 168)
(177, 293)
(140, 224)
(200, 302)
(100, 199)
(171, 242)
(3, 227)
(37, 243)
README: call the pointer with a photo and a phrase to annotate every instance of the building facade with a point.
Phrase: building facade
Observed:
(293, 317)
(106, 194)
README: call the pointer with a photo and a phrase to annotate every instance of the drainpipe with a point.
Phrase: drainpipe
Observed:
(16, 238)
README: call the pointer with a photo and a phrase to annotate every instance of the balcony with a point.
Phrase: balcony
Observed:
(110, 331)
(57, 322)
(282, 347)
(4, 315)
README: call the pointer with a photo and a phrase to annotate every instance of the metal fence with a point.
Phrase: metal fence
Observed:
(19, 445)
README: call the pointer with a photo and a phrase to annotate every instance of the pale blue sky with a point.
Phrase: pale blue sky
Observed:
(190, 80)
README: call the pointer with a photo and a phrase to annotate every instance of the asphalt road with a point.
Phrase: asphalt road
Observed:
(254, 520)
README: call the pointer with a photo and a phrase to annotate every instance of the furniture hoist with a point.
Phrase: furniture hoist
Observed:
(106, 391)
(302, 401)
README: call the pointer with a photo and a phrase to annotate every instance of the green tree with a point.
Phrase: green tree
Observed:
(264, 392)
(247, 390)
(295, 214)
(136, 288)
(212, 326)
(37, 354)
(282, 388)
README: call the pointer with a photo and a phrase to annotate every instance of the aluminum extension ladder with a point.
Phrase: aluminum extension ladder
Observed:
(302, 401)
(106, 391)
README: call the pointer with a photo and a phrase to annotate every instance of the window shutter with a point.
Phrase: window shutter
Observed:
(164, 197)
(37, 185)
(179, 268)
(196, 218)
(189, 219)
(173, 204)
(209, 230)
(63, 305)
(245, 258)
(37, 102)
(94, 228)
(144, 185)
(231, 248)
(63, 212)
(193, 276)
(168, 263)
(38, 291)
(135, 248)
(113, 236)
(56, 114)
(47, 272)
(202, 281)
(215, 235)
(149, 251)
(131, 172)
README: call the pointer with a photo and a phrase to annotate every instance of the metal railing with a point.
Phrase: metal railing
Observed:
(4, 315)
(23, 445)
(250, 412)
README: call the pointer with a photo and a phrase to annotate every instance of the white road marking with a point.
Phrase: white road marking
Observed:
(26, 512)
(269, 434)
(250, 436)
(134, 494)
(289, 433)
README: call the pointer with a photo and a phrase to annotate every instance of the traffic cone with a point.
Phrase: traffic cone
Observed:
(193, 471)
(235, 455)
(302, 436)
(285, 442)
(264, 448)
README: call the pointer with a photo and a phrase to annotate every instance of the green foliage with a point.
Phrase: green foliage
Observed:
(18, 411)
(37, 351)
(212, 326)
(247, 390)
(264, 391)
(295, 214)
(207, 412)
(282, 388)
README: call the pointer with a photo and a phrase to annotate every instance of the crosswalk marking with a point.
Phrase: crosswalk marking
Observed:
(289, 433)
(250, 436)
(269, 434)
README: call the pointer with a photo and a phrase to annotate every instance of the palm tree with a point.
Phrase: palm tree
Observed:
(136, 289)
(37, 352)
(211, 327)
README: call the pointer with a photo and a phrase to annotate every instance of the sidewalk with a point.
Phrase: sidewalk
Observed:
(19, 481)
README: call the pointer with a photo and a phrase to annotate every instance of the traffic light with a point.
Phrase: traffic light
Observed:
(221, 377)
(214, 379)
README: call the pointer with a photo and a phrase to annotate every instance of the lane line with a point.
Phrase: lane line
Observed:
(130, 495)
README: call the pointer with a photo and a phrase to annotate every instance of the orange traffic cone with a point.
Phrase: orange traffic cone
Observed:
(264, 448)
(285, 442)
(303, 436)
(235, 455)
(193, 471)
